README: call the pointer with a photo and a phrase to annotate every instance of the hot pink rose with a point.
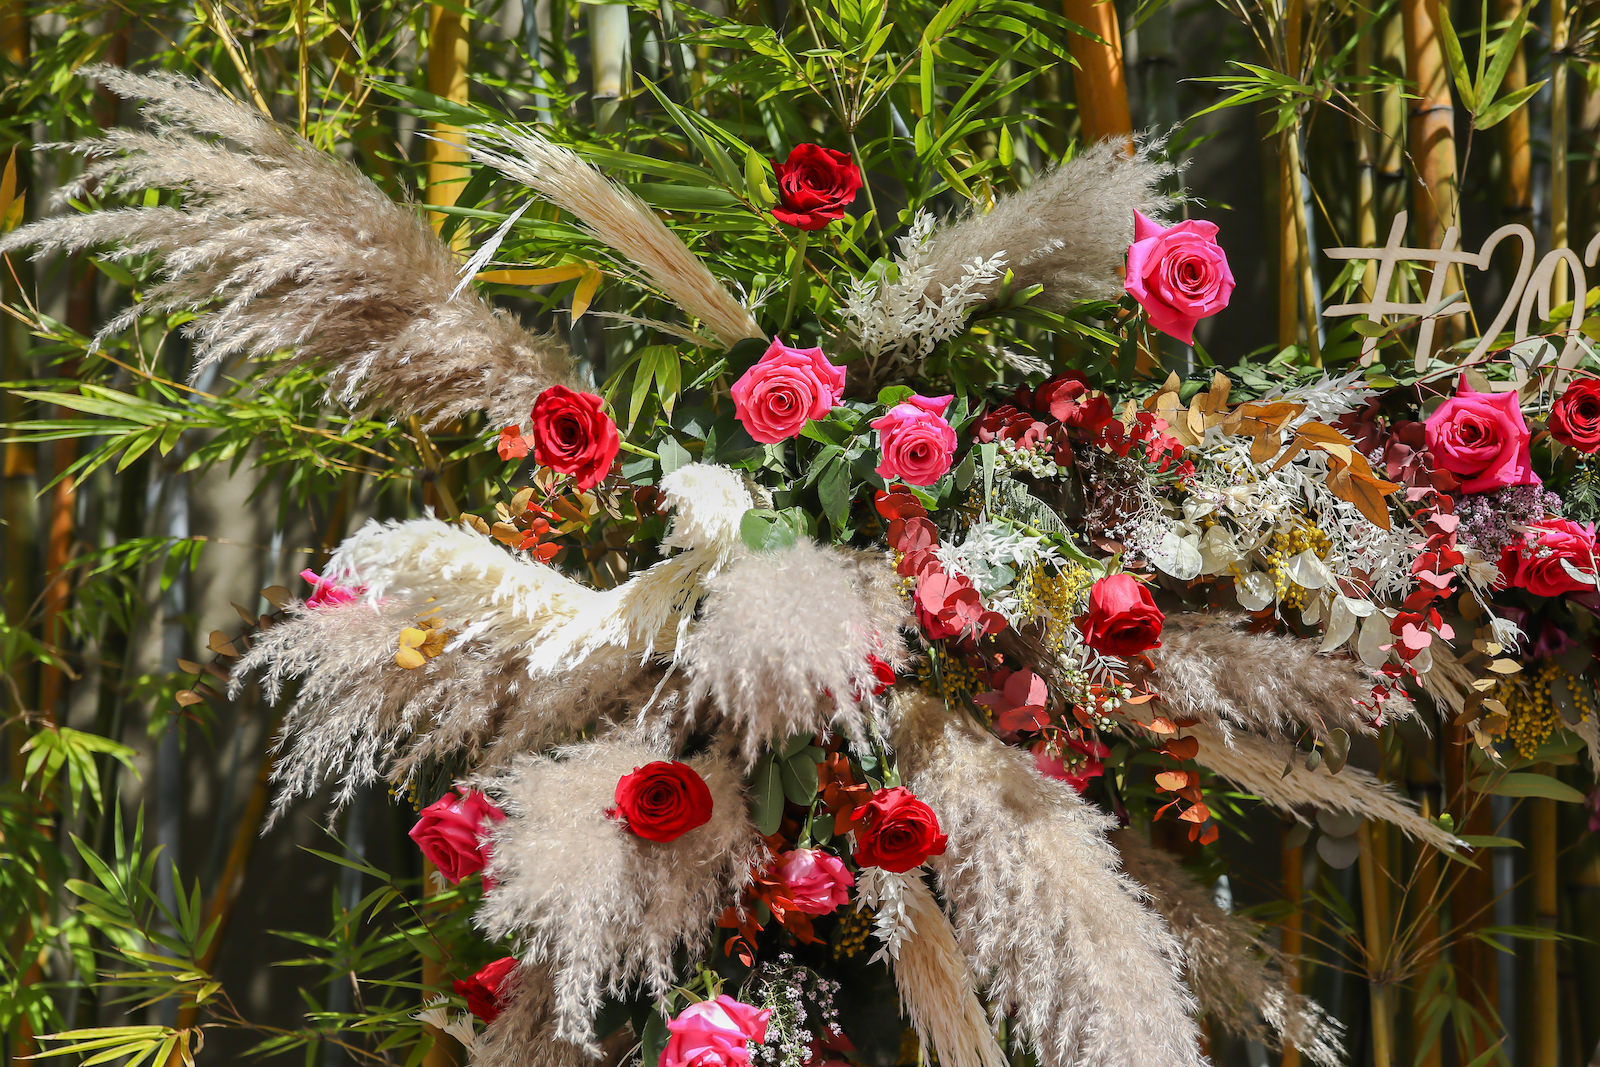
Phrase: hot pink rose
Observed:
(714, 1033)
(787, 388)
(818, 882)
(449, 833)
(326, 593)
(1482, 439)
(916, 442)
(1538, 564)
(1178, 274)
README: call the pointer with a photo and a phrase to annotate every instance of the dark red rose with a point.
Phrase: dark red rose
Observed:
(449, 833)
(572, 434)
(897, 831)
(815, 185)
(662, 801)
(482, 990)
(1575, 418)
(1123, 619)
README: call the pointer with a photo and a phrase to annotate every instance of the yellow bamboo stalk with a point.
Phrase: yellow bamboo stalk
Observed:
(1375, 927)
(1100, 84)
(1431, 130)
(1545, 1047)
(1516, 136)
(1366, 160)
(445, 151)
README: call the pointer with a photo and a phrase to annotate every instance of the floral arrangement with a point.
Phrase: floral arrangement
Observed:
(877, 630)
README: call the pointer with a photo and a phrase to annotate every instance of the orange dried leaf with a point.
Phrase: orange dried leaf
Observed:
(1182, 748)
(1197, 813)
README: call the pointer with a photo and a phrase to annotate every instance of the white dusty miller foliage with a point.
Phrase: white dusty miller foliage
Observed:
(991, 556)
(896, 319)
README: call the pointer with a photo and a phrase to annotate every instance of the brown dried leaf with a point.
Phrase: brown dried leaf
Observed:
(220, 644)
(244, 613)
(278, 596)
(188, 698)
(189, 666)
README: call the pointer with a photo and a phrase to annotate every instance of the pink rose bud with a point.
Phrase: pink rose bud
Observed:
(714, 1033)
(818, 882)
(1482, 439)
(449, 833)
(916, 442)
(1179, 274)
(787, 388)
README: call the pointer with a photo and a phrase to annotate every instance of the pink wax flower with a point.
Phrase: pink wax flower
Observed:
(1178, 274)
(787, 388)
(818, 882)
(1482, 439)
(915, 440)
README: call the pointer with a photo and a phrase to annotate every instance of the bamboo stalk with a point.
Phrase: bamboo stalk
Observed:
(1431, 129)
(1559, 141)
(1100, 84)
(1375, 925)
(1366, 160)
(1545, 1046)
(1516, 198)
(1293, 942)
(445, 150)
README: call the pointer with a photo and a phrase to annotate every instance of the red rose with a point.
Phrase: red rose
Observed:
(1123, 620)
(897, 831)
(1540, 563)
(662, 801)
(815, 185)
(482, 990)
(449, 833)
(1575, 418)
(572, 434)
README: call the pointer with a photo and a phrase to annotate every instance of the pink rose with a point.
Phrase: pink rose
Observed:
(817, 882)
(787, 388)
(915, 440)
(1482, 439)
(326, 593)
(1539, 564)
(714, 1033)
(449, 833)
(1179, 274)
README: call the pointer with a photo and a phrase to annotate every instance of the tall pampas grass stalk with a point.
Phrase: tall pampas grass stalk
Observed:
(931, 974)
(1069, 231)
(601, 907)
(1259, 766)
(1211, 669)
(284, 247)
(1062, 939)
(1238, 979)
(619, 219)
(767, 678)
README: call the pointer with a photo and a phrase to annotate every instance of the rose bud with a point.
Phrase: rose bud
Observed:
(1123, 619)
(483, 990)
(449, 833)
(662, 801)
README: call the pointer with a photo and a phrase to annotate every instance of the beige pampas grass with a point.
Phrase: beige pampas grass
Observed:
(523, 1034)
(931, 974)
(599, 906)
(1069, 231)
(1257, 766)
(619, 219)
(783, 639)
(1236, 976)
(1209, 668)
(1062, 939)
(283, 247)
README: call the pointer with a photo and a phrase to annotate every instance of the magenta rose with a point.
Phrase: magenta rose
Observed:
(916, 442)
(787, 388)
(1482, 439)
(1179, 274)
(714, 1033)
(1550, 546)
(817, 882)
(449, 833)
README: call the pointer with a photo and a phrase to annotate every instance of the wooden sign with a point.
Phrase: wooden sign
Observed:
(1530, 289)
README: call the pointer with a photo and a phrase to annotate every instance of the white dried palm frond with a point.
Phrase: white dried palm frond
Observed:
(1258, 765)
(783, 640)
(619, 219)
(930, 973)
(600, 906)
(1062, 939)
(1237, 977)
(282, 247)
